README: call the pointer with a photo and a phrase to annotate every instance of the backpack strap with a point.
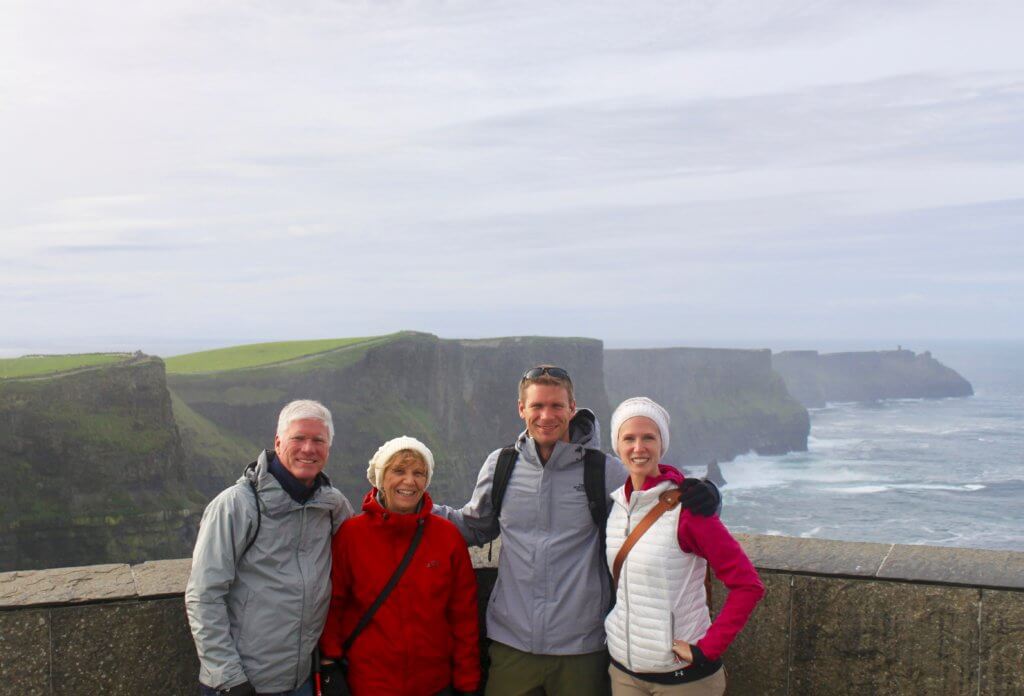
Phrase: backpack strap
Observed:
(597, 501)
(502, 475)
(597, 496)
(593, 484)
(259, 515)
(499, 484)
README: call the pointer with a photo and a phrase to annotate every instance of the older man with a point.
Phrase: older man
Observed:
(546, 614)
(258, 594)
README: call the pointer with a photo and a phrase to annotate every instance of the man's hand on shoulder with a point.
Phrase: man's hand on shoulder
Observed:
(700, 496)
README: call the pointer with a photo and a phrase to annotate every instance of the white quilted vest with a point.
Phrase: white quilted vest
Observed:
(661, 589)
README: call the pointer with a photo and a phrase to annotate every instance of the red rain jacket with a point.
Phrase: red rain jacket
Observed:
(425, 636)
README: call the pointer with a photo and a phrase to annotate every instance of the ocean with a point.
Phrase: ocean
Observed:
(946, 472)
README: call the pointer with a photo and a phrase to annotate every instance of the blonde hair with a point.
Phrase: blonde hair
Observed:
(404, 454)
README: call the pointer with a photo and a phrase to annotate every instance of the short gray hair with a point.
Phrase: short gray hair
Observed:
(302, 409)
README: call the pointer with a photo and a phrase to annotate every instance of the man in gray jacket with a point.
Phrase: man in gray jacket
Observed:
(546, 611)
(259, 589)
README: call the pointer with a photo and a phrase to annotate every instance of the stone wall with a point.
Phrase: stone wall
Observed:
(838, 618)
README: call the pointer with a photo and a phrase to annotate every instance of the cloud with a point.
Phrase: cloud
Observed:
(192, 167)
(110, 249)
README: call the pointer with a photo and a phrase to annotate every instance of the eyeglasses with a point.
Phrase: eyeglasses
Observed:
(556, 372)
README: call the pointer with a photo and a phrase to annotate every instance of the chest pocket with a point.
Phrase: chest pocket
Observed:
(522, 501)
(569, 506)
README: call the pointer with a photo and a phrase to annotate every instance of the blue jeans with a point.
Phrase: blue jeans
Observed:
(304, 690)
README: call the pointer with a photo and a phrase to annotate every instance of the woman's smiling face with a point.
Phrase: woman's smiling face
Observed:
(404, 482)
(639, 446)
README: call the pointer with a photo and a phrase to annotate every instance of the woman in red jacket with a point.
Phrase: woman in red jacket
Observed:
(424, 638)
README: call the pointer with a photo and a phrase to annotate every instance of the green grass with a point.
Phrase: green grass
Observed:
(253, 355)
(35, 365)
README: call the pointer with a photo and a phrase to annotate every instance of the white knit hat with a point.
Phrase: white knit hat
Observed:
(641, 406)
(375, 472)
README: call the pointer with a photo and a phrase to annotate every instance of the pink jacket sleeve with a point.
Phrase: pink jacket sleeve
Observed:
(708, 538)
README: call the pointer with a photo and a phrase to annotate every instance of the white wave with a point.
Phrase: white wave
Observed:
(880, 488)
(937, 486)
(856, 490)
(753, 472)
(815, 443)
(810, 534)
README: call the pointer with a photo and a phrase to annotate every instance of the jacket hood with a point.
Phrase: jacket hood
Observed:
(253, 471)
(274, 498)
(583, 430)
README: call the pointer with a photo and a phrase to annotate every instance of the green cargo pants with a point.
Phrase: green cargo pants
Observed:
(517, 673)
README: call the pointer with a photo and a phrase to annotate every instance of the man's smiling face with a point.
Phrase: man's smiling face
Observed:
(547, 410)
(303, 448)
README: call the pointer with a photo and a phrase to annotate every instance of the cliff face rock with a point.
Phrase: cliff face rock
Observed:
(92, 468)
(815, 378)
(459, 397)
(723, 402)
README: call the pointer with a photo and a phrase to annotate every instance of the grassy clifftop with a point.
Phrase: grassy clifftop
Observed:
(458, 396)
(254, 355)
(40, 365)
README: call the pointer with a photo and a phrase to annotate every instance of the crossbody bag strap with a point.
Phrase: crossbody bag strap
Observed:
(666, 501)
(395, 577)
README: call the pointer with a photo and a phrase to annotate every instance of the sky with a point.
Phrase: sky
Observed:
(185, 175)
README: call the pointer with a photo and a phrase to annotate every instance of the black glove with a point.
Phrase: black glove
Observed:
(700, 496)
(332, 679)
(699, 659)
(243, 689)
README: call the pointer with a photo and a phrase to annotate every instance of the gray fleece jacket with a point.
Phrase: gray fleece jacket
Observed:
(552, 591)
(258, 616)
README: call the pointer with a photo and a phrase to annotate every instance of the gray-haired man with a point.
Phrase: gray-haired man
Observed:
(259, 589)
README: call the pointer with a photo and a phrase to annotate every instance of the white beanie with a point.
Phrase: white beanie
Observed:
(375, 472)
(641, 406)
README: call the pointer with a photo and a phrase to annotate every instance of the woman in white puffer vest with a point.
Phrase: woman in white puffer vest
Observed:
(660, 634)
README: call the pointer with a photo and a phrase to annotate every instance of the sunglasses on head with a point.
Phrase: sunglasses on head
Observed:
(556, 372)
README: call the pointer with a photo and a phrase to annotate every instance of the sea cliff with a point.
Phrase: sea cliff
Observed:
(723, 402)
(92, 468)
(817, 378)
(459, 397)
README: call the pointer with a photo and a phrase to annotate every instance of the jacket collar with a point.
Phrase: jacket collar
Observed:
(299, 492)
(666, 472)
(273, 497)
